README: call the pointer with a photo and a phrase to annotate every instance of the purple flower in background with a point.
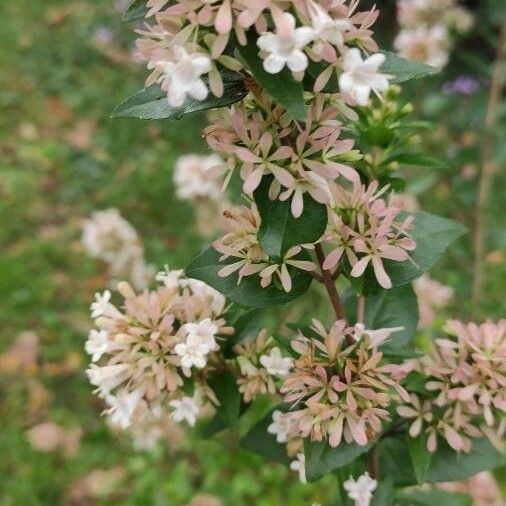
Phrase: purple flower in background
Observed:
(463, 85)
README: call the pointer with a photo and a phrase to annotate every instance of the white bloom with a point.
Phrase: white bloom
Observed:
(97, 344)
(202, 290)
(107, 377)
(194, 177)
(203, 333)
(376, 337)
(280, 426)
(286, 48)
(101, 304)
(182, 76)
(193, 352)
(327, 29)
(185, 409)
(122, 406)
(275, 363)
(362, 76)
(361, 490)
(169, 278)
(299, 466)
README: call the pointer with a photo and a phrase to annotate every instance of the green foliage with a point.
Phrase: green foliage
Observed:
(322, 459)
(151, 102)
(420, 456)
(397, 307)
(433, 498)
(258, 440)
(248, 292)
(225, 387)
(137, 9)
(279, 230)
(282, 87)
(404, 70)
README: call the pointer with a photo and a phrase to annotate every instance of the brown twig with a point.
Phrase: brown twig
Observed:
(372, 463)
(360, 309)
(330, 285)
(488, 165)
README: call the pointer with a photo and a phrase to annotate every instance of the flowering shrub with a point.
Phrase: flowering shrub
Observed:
(311, 128)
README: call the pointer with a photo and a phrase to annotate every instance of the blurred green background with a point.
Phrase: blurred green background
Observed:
(64, 65)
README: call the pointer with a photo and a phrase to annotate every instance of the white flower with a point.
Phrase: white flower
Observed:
(182, 76)
(281, 426)
(169, 278)
(202, 290)
(107, 377)
(299, 466)
(185, 409)
(285, 47)
(327, 29)
(101, 304)
(122, 406)
(275, 363)
(376, 337)
(361, 490)
(193, 353)
(97, 344)
(203, 333)
(362, 76)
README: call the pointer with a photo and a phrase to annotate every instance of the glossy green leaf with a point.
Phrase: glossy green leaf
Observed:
(448, 465)
(433, 234)
(279, 230)
(420, 456)
(258, 440)
(137, 9)
(282, 87)
(249, 292)
(404, 70)
(151, 102)
(433, 498)
(322, 459)
(395, 462)
(384, 493)
(224, 385)
(246, 324)
(397, 307)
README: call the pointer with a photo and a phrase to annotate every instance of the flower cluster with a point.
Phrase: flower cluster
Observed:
(363, 229)
(260, 364)
(194, 178)
(466, 387)
(361, 490)
(188, 42)
(264, 140)
(142, 353)
(338, 385)
(432, 297)
(426, 27)
(109, 237)
(241, 244)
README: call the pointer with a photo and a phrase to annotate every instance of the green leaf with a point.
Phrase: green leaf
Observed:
(419, 159)
(322, 459)
(214, 426)
(246, 324)
(151, 102)
(394, 461)
(282, 87)
(420, 456)
(136, 9)
(225, 387)
(433, 234)
(258, 440)
(448, 465)
(397, 307)
(433, 498)
(405, 70)
(279, 230)
(249, 292)
(384, 494)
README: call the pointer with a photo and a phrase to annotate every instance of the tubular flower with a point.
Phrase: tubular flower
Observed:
(466, 384)
(142, 352)
(363, 229)
(241, 244)
(338, 385)
(262, 139)
(186, 40)
(260, 363)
